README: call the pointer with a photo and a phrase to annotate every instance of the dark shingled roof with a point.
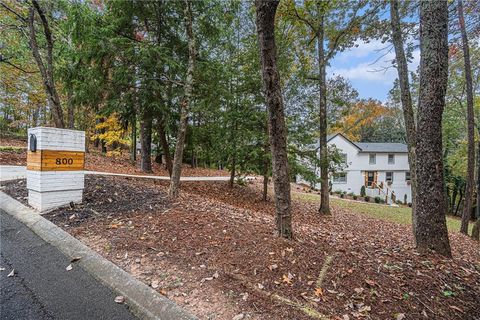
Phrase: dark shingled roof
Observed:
(375, 146)
(381, 147)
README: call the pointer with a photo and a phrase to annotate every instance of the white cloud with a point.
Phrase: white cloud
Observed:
(373, 63)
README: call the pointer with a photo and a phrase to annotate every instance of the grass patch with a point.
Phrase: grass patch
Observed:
(12, 149)
(402, 215)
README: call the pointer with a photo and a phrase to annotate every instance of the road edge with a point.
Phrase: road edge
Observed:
(143, 301)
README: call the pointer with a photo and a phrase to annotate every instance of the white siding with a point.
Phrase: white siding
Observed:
(358, 164)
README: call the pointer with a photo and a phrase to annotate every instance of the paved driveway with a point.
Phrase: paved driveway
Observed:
(42, 287)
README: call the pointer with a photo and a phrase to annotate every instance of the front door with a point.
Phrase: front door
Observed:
(370, 178)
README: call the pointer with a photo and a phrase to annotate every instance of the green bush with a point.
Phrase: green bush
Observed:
(405, 199)
(355, 197)
(351, 194)
(367, 199)
(363, 191)
(342, 195)
(378, 199)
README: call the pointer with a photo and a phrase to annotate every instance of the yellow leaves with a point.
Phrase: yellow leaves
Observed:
(111, 132)
(363, 114)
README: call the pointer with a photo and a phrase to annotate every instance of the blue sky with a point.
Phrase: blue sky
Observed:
(359, 64)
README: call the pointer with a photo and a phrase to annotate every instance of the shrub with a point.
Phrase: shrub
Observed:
(351, 194)
(342, 195)
(378, 199)
(363, 192)
(338, 191)
(367, 199)
(410, 204)
(355, 197)
(399, 202)
(405, 199)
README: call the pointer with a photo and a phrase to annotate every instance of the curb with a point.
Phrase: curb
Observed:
(144, 302)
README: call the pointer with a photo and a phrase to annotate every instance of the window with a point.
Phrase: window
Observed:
(343, 157)
(391, 159)
(372, 159)
(340, 177)
(407, 176)
(389, 177)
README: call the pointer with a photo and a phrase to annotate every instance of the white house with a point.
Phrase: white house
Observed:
(381, 167)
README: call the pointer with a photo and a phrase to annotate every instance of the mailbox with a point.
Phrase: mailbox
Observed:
(55, 167)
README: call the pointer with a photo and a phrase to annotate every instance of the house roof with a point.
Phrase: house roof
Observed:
(374, 146)
(381, 147)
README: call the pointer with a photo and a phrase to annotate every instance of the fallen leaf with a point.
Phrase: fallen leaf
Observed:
(155, 284)
(286, 279)
(75, 259)
(400, 316)
(120, 299)
(318, 292)
(2, 269)
(456, 308)
(371, 283)
(260, 286)
(69, 267)
(358, 290)
(12, 273)
(272, 267)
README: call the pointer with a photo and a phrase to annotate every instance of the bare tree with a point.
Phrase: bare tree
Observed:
(470, 178)
(265, 21)
(185, 104)
(405, 96)
(46, 68)
(430, 227)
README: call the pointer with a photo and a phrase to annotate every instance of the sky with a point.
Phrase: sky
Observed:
(364, 66)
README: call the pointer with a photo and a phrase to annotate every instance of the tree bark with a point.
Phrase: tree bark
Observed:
(70, 111)
(146, 136)
(405, 96)
(476, 226)
(133, 150)
(185, 105)
(322, 104)
(46, 70)
(265, 20)
(165, 148)
(470, 178)
(430, 228)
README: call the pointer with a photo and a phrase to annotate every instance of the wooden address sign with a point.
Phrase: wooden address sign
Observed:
(54, 160)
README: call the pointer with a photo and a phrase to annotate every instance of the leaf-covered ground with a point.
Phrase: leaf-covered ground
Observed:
(14, 152)
(214, 251)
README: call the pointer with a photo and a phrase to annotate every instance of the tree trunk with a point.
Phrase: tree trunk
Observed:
(324, 192)
(185, 105)
(265, 179)
(146, 136)
(70, 111)
(234, 155)
(133, 150)
(430, 228)
(470, 178)
(232, 170)
(405, 96)
(165, 148)
(46, 70)
(265, 20)
(476, 226)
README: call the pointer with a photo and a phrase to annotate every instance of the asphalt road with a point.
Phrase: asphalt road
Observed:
(42, 288)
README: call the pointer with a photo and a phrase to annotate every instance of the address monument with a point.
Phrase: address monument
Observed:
(55, 167)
